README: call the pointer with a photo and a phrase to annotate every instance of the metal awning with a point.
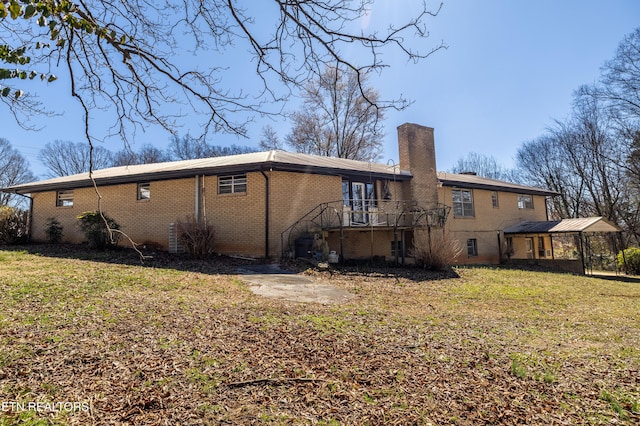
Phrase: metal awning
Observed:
(578, 225)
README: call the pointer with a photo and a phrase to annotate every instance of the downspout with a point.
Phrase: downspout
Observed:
(266, 214)
(203, 198)
(198, 198)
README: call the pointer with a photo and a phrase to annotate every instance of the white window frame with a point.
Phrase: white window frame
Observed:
(232, 184)
(144, 191)
(525, 201)
(465, 207)
(64, 198)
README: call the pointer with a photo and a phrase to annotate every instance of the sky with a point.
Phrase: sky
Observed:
(509, 71)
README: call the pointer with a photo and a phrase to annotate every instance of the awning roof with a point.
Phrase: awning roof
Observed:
(585, 224)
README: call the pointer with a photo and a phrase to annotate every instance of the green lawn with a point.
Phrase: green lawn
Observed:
(106, 340)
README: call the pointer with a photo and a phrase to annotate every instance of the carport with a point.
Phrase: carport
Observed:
(582, 228)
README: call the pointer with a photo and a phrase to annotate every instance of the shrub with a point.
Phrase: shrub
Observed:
(435, 250)
(99, 229)
(14, 225)
(54, 230)
(196, 236)
(629, 260)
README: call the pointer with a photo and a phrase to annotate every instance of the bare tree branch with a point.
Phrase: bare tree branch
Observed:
(139, 63)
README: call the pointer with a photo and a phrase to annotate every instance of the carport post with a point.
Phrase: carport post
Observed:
(582, 252)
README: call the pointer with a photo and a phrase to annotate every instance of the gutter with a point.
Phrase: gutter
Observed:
(83, 182)
(491, 187)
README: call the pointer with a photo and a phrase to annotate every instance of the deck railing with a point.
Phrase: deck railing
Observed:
(355, 213)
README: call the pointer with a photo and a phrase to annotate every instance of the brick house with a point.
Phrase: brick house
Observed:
(483, 208)
(275, 203)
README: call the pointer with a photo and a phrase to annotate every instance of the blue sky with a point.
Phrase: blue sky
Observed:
(510, 69)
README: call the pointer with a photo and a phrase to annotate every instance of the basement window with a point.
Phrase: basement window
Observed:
(64, 198)
(144, 191)
(472, 247)
(235, 184)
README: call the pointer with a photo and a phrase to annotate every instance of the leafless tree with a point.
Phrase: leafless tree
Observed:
(575, 159)
(147, 154)
(485, 166)
(594, 153)
(221, 151)
(188, 148)
(580, 159)
(543, 164)
(270, 140)
(64, 158)
(619, 93)
(338, 118)
(591, 159)
(139, 63)
(14, 170)
(621, 78)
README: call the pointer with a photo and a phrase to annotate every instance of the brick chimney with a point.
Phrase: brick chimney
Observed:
(418, 155)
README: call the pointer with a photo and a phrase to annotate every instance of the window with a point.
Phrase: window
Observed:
(462, 203)
(541, 250)
(232, 184)
(397, 249)
(359, 193)
(386, 191)
(370, 193)
(494, 199)
(64, 199)
(144, 191)
(360, 198)
(472, 247)
(346, 195)
(525, 201)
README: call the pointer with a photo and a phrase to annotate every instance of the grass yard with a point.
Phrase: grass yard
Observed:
(105, 340)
